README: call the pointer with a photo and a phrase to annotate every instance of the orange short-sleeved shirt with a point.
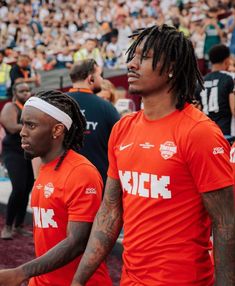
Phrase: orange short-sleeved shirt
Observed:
(163, 166)
(232, 158)
(72, 193)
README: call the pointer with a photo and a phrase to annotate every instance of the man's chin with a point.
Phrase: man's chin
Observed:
(134, 91)
(28, 156)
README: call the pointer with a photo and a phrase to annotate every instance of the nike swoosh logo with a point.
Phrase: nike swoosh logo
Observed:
(123, 147)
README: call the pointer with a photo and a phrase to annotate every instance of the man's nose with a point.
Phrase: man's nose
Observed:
(133, 63)
(23, 132)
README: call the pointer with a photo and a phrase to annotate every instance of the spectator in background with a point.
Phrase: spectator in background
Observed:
(218, 97)
(89, 51)
(231, 30)
(66, 194)
(213, 31)
(64, 59)
(107, 91)
(2, 135)
(100, 114)
(112, 51)
(22, 70)
(198, 39)
(19, 169)
(4, 76)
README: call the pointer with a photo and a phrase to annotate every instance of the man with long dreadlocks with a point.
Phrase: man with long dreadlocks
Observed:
(65, 196)
(169, 176)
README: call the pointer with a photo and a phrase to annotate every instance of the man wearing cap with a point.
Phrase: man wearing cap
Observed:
(65, 196)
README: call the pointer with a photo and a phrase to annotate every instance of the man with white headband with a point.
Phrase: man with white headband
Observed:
(65, 196)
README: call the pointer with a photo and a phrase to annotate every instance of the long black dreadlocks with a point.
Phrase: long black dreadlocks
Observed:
(178, 56)
(73, 138)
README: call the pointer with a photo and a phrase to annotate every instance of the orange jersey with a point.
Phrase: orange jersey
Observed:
(232, 159)
(163, 166)
(72, 193)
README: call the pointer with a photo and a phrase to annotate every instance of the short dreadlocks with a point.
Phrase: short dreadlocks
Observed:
(177, 53)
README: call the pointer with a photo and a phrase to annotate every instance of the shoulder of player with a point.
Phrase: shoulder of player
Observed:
(228, 74)
(126, 120)
(219, 75)
(192, 115)
(194, 119)
(74, 160)
(90, 97)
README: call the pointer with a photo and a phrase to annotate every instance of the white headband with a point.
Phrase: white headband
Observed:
(50, 109)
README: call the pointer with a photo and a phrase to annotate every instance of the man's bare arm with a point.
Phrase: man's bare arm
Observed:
(220, 205)
(61, 254)
(105, 230)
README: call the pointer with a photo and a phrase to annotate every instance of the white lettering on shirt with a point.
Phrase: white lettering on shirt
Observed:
(145, 185)
(91, 125)
(44, 218)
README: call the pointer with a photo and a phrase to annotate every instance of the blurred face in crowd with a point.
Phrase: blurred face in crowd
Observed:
(23, 62)
(232, 65)
(108, 91)
(97, 79)
(1, 58)
(22, 92)
(105, 94)
(90, 45)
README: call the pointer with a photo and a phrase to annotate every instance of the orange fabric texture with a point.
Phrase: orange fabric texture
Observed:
(72, 193)
(232, 159)
(163, 166)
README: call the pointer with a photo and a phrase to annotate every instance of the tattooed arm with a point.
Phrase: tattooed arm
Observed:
(61, 254)
(105, 230)
(220, 205)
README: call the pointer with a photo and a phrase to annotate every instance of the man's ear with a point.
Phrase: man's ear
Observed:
(91, 79)
(58, 130)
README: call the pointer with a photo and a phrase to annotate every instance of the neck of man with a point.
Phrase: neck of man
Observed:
(81, 84)
(218, 67)
(159, 106)
(56, 151)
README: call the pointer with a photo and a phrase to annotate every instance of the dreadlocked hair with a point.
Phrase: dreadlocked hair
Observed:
(177, 54)
(73, 138)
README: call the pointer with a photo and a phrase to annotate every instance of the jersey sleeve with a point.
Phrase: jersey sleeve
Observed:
(83, 193)
(207, 156)
(112, 169)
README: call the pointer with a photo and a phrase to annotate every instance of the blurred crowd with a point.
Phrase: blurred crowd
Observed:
(56, 33)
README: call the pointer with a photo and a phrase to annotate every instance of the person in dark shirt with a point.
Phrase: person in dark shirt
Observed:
(217, 98)
(19, 169)
(22, 71)
(100, 114)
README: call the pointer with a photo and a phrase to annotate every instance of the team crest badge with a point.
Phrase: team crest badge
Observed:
(48, 190)
(168, 149)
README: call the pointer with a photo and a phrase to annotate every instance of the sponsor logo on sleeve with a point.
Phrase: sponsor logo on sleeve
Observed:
(218, 150)
(90, 191)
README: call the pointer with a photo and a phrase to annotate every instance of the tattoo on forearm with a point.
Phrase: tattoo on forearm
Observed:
(63, 253)
(220, 206)
(106, 228)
